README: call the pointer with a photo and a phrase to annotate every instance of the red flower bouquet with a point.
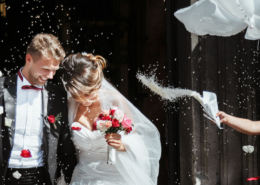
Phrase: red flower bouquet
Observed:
(112, 121)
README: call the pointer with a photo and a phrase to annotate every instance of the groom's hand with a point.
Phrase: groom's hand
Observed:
(114, 140)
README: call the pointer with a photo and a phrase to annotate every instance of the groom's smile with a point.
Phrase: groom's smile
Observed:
(43, 80)
(39, 69)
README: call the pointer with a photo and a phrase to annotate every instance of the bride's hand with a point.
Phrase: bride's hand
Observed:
(115, 141)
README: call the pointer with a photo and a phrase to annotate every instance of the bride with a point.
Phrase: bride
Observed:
(138, 153)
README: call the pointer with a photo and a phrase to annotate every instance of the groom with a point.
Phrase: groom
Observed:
(35, 142)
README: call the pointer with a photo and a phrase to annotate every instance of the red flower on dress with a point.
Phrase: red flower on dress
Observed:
(25, 153)
(76, 128)
(51, 119)
(115, 123)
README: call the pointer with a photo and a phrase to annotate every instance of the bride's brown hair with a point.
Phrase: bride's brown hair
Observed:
(83, 74)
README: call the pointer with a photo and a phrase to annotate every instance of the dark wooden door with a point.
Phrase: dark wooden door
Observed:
(228, 66)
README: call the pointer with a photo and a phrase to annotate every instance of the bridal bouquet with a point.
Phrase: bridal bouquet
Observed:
(112, 121)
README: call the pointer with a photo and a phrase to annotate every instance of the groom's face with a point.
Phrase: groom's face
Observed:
(41, 69)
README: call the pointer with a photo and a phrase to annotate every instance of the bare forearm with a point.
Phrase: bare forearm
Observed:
(245, 126)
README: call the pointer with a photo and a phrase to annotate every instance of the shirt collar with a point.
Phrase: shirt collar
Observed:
(23, 80)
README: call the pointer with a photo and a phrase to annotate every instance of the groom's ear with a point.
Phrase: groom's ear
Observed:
(28, 59)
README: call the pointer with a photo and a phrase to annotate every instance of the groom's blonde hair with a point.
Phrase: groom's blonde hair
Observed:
(46, 45)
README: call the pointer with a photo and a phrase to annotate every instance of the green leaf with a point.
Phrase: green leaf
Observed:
(57, 118)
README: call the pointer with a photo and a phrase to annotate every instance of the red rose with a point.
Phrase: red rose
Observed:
(128, 130)
(51, 119)
(25, 153)
(95, 126)
(76, 128)
(115, 123)
(106, 118)
(112, 112)
(100, 115)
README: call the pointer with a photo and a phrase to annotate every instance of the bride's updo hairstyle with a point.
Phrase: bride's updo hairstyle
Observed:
(82, 74)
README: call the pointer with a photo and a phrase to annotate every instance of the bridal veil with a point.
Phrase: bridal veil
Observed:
(139, 165)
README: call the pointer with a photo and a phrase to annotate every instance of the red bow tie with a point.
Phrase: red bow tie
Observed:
(32, 87)
(28, 86)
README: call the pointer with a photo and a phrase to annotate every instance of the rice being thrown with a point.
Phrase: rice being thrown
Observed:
(208, 101)
(167, 93)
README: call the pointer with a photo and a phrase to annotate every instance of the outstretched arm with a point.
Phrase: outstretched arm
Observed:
(244, 126)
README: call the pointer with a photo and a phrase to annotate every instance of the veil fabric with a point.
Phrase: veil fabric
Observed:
(140, 163)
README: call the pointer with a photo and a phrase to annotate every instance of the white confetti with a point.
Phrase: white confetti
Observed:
(248, 149)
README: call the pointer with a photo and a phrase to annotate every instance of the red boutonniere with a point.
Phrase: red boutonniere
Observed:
(25, 153)
(52, 119)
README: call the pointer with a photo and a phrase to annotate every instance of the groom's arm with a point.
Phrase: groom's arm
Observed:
(66, 151)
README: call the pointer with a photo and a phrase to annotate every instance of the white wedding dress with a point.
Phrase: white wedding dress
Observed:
(138, 165)
(92, 168)
(222, 17)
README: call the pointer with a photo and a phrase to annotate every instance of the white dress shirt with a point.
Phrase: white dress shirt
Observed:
(28, 127)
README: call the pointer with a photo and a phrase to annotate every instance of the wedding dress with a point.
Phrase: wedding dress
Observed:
(139, 165)
(222, 17)
(92, 168)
